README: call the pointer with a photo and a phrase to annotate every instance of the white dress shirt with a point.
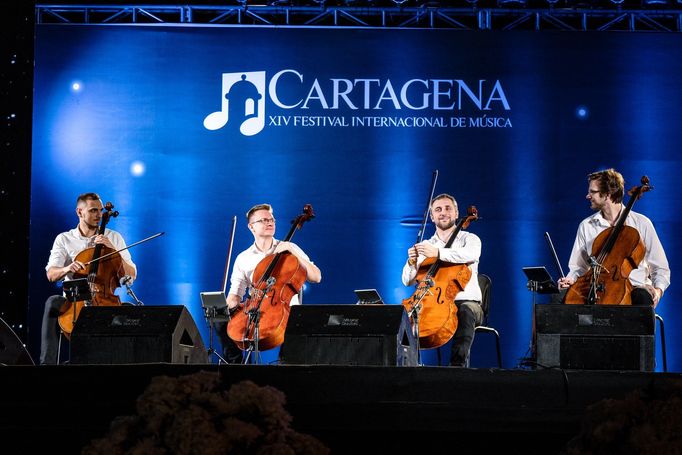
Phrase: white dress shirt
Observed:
(465, 249)
(653, 270)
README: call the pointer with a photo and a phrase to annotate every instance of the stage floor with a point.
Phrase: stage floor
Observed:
(351, 409)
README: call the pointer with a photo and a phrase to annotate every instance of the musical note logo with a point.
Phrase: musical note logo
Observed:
(242, 103)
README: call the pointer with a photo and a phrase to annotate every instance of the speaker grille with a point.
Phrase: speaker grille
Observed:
(595, 337)
(134, 334)
(348, 335)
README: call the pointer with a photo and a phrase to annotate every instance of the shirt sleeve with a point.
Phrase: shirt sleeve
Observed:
(577, 263)
(655, 257)
(59, 256)
(466, 253)
(410, 271)
(239, 280)
(305, 256)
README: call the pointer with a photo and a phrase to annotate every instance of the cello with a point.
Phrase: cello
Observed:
(616, 252)
(103, 275)
(261, 322)
(433, 303)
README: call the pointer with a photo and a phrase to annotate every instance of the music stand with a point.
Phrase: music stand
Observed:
(77, 290)
(540, 281)
(368, 297)
(215, 310)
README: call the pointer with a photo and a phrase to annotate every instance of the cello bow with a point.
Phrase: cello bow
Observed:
(434, 179)
(229, 254)
(420, 234)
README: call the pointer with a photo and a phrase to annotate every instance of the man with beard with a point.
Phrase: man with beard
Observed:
(605, 193)
(465, 249)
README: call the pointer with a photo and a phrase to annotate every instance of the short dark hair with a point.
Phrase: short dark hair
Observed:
(445, 196)
(610, 182)
(87, 197)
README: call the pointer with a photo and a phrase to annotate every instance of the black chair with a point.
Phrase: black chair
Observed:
(485, 283)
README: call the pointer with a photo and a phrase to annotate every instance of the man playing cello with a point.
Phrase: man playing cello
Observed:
(62, 264)
(466, 249)
(605, 193)
(262, 224)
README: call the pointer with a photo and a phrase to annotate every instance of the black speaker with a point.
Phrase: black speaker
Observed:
(595, 337)
(12, 350)
(348, 335)
(136, 334)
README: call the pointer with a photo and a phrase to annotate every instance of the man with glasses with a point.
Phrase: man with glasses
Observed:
(605, 193)
(261, 223)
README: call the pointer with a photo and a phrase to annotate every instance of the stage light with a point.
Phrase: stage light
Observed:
(76, 86)
(137, 168)
(582, 112)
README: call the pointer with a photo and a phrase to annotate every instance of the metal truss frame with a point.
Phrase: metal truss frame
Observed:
(425, 16)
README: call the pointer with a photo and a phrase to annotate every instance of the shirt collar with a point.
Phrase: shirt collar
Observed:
(255, 250)
(599, 219)
(77, 233)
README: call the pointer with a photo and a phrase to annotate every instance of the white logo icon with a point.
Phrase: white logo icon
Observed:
(242, 103)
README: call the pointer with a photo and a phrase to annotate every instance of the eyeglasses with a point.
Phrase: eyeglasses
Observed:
(264, 221)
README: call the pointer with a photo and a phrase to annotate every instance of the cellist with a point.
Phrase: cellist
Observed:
(605, 192)
(62, 264)
(262, 224)
(466, 249)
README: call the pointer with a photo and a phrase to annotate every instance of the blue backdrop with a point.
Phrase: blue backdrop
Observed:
(182, 127)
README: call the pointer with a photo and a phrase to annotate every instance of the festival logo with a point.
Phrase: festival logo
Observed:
(302, 102)
(242, 103)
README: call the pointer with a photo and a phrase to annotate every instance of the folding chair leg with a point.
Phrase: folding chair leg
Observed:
(59, 346)
(499, 355)
(486, 329)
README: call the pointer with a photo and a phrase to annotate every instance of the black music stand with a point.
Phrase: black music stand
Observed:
(540, 281)
(215, 310)
(77, 290)
(368, 297)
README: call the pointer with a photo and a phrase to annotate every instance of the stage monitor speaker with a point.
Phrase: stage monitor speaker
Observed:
(136, 334)
(595, 337)
(349, 335)
(12, 350)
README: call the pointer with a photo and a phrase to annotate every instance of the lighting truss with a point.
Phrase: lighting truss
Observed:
(398, 15)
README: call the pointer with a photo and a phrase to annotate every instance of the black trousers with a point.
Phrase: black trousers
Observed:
(469, 315)
(49, 333)
(230, 351)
